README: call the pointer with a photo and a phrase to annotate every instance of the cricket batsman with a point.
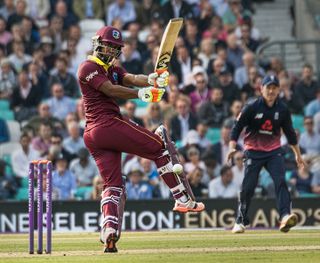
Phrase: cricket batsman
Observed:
(264, 118)
(108, 133)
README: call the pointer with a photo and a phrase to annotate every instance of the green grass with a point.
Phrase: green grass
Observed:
(173, 246)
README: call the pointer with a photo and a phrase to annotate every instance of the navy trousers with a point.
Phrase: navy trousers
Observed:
(274, 164)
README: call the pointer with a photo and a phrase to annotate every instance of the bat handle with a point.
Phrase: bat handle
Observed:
(159, 71)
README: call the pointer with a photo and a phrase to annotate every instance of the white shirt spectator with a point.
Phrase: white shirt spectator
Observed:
(126, 12)
(84, 175)
(73, 145)
(310, 142)
(20, 161)
(60, 108)
(218, 190)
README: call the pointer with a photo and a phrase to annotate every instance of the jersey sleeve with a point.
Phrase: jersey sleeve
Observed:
(241, 122)
(90, 74)
(288, 128)
(121, 73)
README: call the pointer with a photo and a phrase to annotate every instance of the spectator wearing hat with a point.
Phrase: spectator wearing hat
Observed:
(202, 92)
(63, 180)
(7, 78)
(215, 110)
(221, 148)
(230, 90)
(137, 189)
(83, 168)
(184, 120)
(223, 186)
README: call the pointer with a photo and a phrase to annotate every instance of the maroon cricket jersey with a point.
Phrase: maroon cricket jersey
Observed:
(99, 108)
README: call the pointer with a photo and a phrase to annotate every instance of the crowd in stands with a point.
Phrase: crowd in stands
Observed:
(214, 71)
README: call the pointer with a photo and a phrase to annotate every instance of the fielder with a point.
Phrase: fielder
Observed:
(108, 133)
(264, 118)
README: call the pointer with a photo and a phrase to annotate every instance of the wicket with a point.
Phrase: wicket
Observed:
(37, 167)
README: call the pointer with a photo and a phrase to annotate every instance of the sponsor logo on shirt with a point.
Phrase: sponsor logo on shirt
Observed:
(91, 75)
(259, 116)
(266, 127)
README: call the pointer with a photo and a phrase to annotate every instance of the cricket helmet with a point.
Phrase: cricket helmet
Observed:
(107, 43)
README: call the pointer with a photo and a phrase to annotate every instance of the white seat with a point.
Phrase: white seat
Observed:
(8, 147)
(90, 26)
(14, 130)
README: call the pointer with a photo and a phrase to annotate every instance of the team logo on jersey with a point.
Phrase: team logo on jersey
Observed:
(259, 116)
(276, 116)
(91, 75)
(266, 127)
(116, 34)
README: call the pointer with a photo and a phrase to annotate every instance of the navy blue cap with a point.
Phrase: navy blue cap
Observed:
(270, 79)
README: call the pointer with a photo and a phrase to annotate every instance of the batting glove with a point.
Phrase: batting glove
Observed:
(159, 79)
(150, 94)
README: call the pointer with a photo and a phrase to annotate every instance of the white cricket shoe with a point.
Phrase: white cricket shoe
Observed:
(287, 222)
(238, 228)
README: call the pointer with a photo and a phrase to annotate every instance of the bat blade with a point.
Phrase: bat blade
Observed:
(168, 41)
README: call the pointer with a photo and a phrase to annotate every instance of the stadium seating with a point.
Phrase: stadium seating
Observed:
(297, 121)
(4, 105)
(7, 115)
(8, 147)
(14, 130)
(214, 135)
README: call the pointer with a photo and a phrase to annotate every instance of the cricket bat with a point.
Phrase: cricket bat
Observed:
(168, 41)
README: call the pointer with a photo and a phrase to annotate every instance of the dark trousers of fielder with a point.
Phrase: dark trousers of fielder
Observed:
(275, 166)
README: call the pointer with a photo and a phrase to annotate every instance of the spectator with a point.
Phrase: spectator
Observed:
(151, 175)
(183, 121)
(134, 29)
(5, 36)
(234, 51)
(80, 113)
(7, 9)
(176, 8)
(315, 183)
(248, 43)
(301, 181)
(306, 88)
(63, 180)
(130, 109)
(44, 115)
(83, 168)
(38, 10)
(4, 132)
(88, 9)
(120, 9)
(191, 37)
(223, 186)
(56, 148)
(238, 168)
(42, 142)
(154, 117)
(74, 142)
(20, 12)
(56, 32)
(313, 106)
(97, 187)
(222, 148)
(30, 36)
(230, 90)
(25, 98)
(66, 79)
(146, 11)
(202, 129)
(22, 157)
(18, 58)
(7, 78)
(150, 62)
(68, 17)
(235, 110)
(60, 105)
(38, 78)
(130, 58)
(248, 89)
(241, 76)
(217, 65)
(214, 111)
(309, 139)
(202, 92)
(206, 53)
(8, 187)
(195, 180)
(47, 47)
(182, 66)
(288, 96)
(137, 189)
(254, 32)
